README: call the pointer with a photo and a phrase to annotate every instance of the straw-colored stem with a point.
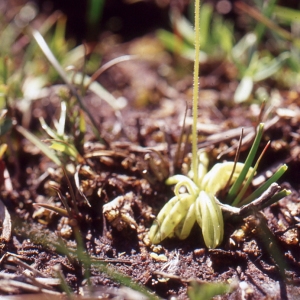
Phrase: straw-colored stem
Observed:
(196, 92)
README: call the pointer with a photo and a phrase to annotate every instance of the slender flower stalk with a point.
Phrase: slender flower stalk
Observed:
(196, 92)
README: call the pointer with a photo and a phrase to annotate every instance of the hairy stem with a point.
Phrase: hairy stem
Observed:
(196, 91)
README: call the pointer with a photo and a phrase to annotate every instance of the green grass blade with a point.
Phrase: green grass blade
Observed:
(280, 195)
(238, 183)
(249, 179)
(65, 147)
(265, 186)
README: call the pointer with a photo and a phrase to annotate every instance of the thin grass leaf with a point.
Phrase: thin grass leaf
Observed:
(42, 146)
(62, 119)
(249, 179)
(280, 195)
(61, 211)
(48, 129)
(265, 186)
(63, 199)
(238, 183)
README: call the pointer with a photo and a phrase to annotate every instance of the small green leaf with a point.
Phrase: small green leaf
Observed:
(66, 148)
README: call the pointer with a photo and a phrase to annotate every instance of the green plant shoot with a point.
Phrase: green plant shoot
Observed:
(195, 197)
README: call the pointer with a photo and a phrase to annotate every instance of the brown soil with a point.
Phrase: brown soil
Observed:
(142, 139)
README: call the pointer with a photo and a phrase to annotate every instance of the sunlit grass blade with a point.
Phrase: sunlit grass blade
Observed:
(238, 183)
(48, 129)
(42, 146)
(65, 147)
(249, 179)
(62, 119)
(265, 186)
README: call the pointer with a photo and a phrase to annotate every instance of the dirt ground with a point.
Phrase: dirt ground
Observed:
(259, 256)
